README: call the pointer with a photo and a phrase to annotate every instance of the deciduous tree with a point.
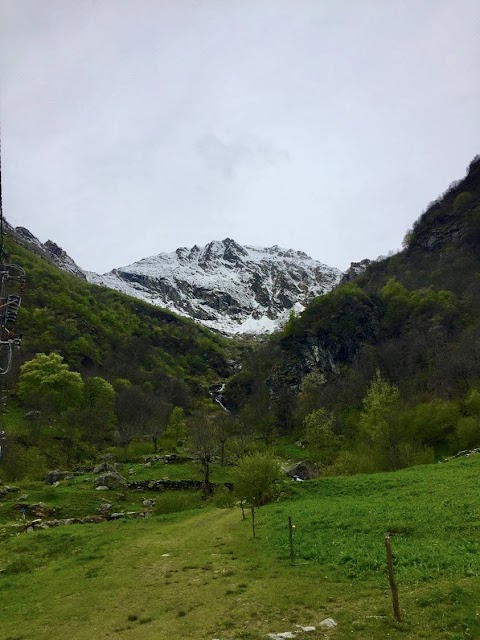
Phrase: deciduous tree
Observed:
(97, 417)
(47, 383)
(204, 444)
(255, 478)
(378, 424)
(319, 436)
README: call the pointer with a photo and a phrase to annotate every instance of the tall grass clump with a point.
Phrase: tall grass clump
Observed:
(177, 501)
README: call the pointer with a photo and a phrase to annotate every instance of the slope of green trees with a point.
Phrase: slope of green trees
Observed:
(97, 368)
(95, 328)
(403, 336)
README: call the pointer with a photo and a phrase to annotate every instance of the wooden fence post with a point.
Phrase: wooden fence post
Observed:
(391, 577)
(290, 534)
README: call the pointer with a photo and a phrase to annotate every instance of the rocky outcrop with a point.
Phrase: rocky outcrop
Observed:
(37, 510)
(104, 467)
(63, 260)
(26, 237)
(5, 490)
(49, 250)
(354, 270)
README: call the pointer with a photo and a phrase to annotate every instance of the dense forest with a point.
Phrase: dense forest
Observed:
(381, 373)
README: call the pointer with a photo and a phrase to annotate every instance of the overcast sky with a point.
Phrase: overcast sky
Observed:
(133, 127)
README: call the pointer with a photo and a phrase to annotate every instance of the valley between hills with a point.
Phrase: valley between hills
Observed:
(140, 447)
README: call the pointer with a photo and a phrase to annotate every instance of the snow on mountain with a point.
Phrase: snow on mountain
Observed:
(26, 236)
(226, 286)
(63, 260)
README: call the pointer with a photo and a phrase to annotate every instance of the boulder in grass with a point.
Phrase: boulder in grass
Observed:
(111, 479)
(304, 470)
(38, 510)
(103, 467)
(108, 458)
(35, 525)
(104, 508)
(117, 516)
(328, 623)
(32, 415)
(41, 510)
(56, 475)
(5, 490)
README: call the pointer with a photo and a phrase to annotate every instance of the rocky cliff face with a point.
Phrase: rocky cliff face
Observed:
(226, 286)
(63, 260)
(354, 270)
(49, 250)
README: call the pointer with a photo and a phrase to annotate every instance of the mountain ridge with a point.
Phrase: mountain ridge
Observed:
(226, 286)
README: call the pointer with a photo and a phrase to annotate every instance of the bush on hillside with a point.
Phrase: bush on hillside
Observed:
(256, 478)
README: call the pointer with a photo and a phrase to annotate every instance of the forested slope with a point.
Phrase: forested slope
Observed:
(414, 318)
(100, 330)
(121, 368)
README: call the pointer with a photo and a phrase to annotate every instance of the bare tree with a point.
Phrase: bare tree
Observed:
(204, 444)
(141, 415)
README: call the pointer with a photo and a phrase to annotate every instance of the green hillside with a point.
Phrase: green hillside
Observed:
(105, 332)
(124, 366)
(411, 323)
(201, 574)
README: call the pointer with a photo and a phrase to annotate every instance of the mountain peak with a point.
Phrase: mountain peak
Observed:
(225, 285)
(227, 250)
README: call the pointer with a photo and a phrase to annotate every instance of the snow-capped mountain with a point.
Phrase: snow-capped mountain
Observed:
(226, 286)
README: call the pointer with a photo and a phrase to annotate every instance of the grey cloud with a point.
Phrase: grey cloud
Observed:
(227, 157)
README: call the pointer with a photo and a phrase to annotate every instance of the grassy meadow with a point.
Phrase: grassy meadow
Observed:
(200, 574)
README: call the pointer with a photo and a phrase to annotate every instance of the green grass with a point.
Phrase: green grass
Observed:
(175, 471)
(72, 498)
(341, 523)
(76, 497)
(176, 501)
(289, 450)
(14, 421)
(200, 574)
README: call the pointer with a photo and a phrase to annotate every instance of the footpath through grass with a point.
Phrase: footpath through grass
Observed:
(200, 574)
